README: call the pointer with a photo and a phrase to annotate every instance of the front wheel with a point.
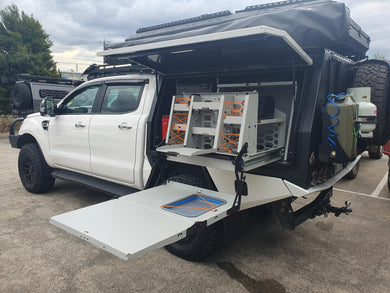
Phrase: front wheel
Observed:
(203, 240)
(34, 172)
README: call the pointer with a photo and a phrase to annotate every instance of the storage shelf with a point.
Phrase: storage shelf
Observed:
(181, 107)
(204, 131)
(233, 120)
(217, 125)
(271, 121)
(206, 105)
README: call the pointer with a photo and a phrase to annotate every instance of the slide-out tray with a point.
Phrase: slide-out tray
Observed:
(138, 223)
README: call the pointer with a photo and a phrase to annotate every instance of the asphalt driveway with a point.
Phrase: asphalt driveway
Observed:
(345, 254)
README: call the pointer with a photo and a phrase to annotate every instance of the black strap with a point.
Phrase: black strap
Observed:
(240, 185)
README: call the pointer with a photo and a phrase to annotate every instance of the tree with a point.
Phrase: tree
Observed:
(379, 56)
(24, 48)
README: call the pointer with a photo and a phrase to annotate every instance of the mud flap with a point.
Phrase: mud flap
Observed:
(135, 224)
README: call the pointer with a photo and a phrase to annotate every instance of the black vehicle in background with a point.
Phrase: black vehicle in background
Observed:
(29, 90)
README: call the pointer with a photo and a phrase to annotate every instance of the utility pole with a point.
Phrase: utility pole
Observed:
(104, 43)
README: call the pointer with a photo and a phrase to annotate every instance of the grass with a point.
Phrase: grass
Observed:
(5, 122)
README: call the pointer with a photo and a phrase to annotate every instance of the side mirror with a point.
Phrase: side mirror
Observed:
(48, 107)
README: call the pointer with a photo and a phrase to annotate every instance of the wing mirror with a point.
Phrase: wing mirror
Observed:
(48, 107)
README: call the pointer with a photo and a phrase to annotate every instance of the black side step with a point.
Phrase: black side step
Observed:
(93, 183)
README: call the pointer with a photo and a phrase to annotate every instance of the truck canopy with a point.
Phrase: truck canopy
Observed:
(310, 23)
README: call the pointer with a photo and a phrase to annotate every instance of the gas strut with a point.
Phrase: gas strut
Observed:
(240, 184)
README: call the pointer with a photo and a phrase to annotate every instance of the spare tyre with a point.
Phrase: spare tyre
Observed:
(375, 74)
(21, 98)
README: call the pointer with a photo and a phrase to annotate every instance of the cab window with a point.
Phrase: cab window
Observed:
(121, 98)
(82, 102)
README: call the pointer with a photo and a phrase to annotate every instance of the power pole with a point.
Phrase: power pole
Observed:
(104, 43)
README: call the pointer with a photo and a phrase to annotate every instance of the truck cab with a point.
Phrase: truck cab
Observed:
(75, 137)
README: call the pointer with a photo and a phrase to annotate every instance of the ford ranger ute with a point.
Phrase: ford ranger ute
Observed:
(216, 114)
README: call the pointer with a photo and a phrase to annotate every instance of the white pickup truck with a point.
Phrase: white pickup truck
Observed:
(252, 121)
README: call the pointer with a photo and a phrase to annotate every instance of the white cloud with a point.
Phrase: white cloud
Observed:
(75, 58)
(373, 17)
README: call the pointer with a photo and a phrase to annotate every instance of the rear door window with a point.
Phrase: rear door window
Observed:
(121, 98)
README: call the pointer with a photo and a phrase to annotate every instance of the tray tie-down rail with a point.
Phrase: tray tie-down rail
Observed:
(290, 219)
(240, 185)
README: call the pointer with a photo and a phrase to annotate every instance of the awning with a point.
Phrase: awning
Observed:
(246, 48)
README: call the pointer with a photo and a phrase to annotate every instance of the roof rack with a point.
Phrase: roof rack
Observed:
(184, 21)
(44, 79)
(96, 71)
(277, 4)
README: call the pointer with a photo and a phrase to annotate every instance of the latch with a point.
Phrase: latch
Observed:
(240, 185)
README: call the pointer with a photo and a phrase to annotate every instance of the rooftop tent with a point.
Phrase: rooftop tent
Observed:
(311, 23)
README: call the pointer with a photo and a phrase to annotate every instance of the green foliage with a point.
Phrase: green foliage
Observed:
(24, 48)
(379, 56)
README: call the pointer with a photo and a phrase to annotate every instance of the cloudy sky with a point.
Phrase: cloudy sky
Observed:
(78, 28)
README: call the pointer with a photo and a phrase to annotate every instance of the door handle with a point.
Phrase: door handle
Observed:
(124, 126)
(79, 125)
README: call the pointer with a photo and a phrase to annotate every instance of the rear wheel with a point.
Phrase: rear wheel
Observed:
(388, 179)
(354, 172)
(34, 172)
(375, 74)
(375, 152)
(203, 240)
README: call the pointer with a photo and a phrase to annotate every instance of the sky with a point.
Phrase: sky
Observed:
(78, 28)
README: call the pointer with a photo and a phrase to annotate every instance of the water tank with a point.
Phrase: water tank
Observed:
(342, 114)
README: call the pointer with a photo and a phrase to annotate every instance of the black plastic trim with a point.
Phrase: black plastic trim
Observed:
(13, 140)
(107, 187)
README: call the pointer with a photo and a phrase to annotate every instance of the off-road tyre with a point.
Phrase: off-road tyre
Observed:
(21, 98)
(354, 172)
(375, 74)
(388, 179)
(375, 152)
(204, 240)
(34, 172)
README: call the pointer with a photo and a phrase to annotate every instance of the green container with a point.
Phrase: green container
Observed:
(345, 129)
